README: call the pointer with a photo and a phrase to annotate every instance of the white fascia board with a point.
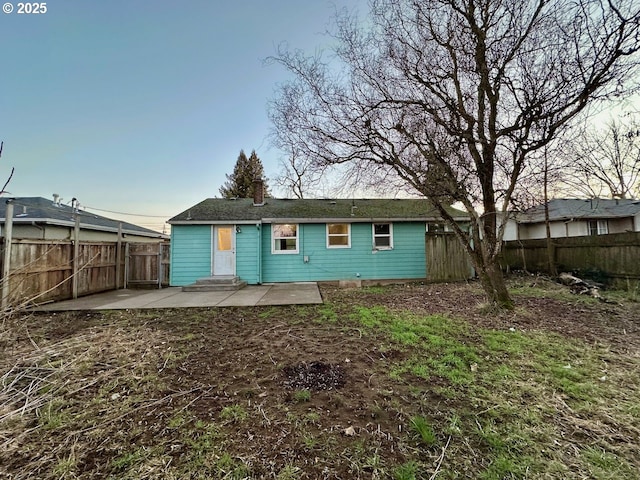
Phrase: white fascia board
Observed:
(84, 226)
(313, 220)
(358, 220)
(215, 222)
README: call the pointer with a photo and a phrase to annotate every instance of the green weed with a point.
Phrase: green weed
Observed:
(309, 440)
(177, 421)
(229, 468)
(423, 430)
(128, 460)
(327, 313)
(406, 471)
(289, 472)
(375, 289)
(605, 465)
(54, 415)
(505, 467)
(234, 413)
(300, 396)
(66, 467)
(269, 313)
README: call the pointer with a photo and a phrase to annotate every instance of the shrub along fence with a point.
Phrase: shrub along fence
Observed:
(37, 271)
(610, 258)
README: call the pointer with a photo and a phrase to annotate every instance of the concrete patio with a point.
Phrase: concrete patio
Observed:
(174, 297)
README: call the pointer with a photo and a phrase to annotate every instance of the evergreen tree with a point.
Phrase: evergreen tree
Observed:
(240, 183)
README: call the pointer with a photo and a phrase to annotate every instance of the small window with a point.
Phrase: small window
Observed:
(382, 236)
(338, 235)
(438, 228)
(598, 227)
(285, 238)
(225, 239)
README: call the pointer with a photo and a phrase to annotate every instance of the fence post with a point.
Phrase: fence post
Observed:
(76, 253)
(6, 266)
(118, 255)
(159, 265)
(126, 263)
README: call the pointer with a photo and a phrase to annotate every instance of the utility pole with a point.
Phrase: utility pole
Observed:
(6, 265)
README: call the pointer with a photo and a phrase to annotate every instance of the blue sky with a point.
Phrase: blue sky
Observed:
(142, 106)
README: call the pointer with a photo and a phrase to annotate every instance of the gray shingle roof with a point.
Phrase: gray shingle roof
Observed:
(38, 209)
(573, 208)
(308, 210)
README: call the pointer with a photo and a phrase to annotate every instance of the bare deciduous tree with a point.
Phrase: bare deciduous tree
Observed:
(298, 177)
(454, 97)
(606, 162)
(4, 187)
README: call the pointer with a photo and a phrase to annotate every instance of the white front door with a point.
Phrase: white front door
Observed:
(224, 250)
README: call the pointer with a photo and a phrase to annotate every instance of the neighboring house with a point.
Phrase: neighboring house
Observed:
(38, 218)
(277, 240)
(580, 217)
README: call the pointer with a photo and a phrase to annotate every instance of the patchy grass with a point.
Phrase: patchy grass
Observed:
(434, 387)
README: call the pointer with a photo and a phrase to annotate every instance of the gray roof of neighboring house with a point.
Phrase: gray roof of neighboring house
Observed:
(217, 210)
(42, 210)
(575, 208)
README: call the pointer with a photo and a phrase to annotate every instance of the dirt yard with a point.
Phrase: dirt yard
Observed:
(407, 381)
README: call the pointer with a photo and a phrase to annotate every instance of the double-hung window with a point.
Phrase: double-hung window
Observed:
(382, 236)
(338, 235)
(284, 238)
(598, 227)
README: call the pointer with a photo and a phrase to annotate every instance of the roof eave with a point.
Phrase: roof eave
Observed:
(84, 226)
(314, 220)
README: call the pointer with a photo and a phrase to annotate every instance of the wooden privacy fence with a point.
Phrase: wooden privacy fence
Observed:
(447, 259)
(147, 264)
(44, 270)
(613, 256)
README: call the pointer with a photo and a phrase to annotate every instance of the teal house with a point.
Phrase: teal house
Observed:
(266, 240)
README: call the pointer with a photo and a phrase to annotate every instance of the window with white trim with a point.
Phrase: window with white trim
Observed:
(338, 235)
(284, 238)
(598, 227)
(438, 228)
(382, 236)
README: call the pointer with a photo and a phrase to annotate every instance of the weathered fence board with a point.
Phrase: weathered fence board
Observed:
(42, 270)
(614, 256)
(446, 258)
(148, 264)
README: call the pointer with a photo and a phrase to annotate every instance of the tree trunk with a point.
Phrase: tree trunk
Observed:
(494, 286)
(492, 280)
(551, 254)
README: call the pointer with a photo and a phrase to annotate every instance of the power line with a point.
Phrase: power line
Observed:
(123, 213)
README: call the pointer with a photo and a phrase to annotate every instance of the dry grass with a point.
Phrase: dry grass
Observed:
(202, 393)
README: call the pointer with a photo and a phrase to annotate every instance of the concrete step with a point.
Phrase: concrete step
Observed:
(216, 284)
(218, 280)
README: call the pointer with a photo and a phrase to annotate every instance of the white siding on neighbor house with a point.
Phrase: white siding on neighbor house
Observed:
(576, 228)
(530, 231)
(56, 232)
(620, 225)
(510, 230)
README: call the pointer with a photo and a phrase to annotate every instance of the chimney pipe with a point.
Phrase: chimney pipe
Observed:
(258, 192)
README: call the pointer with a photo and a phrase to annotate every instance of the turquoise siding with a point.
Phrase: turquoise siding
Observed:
(405, 260)
(247, 254)
(190, 253)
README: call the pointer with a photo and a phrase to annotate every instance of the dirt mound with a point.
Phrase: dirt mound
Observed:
(313, 376)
